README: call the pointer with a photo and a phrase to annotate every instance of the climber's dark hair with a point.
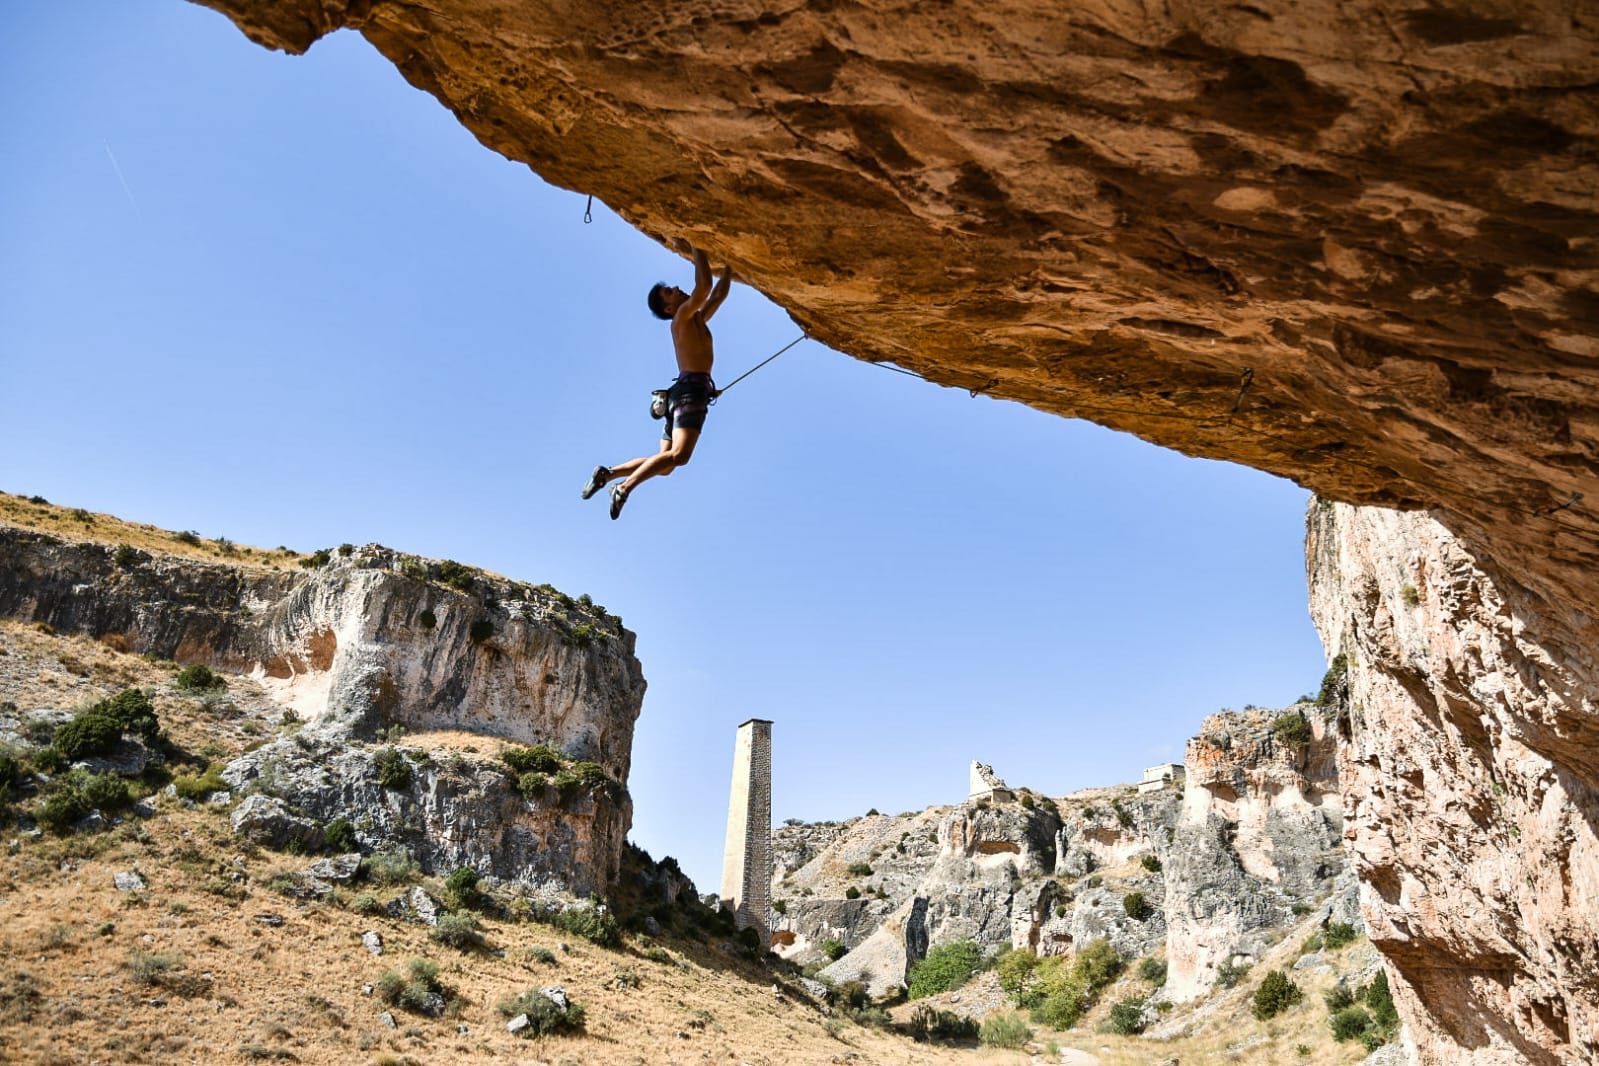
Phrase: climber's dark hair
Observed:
(658, 300)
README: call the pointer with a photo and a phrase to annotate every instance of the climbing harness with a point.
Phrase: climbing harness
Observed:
(658, 397)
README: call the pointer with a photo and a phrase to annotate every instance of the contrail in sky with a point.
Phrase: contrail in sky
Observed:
(117, 167)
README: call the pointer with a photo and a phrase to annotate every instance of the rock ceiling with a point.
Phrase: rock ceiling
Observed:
(1352, 243)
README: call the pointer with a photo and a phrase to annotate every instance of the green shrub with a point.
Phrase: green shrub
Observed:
(455, 575)
(1229, 974)
(852, 892)
(591, 776)
(544, 1016)
(395, 867)
(427, 619)
(1293, 729)
(346, 549)
(539, 953)
(1411, 597)
(946, 967)
(1275, 994)
(61, 808)
(1007, 1030)
(317, 559)
(533, 785)
(340, 836)
(593, 922)
(1137, 906)
(780, 906)
(1381, 1001)
(1349, 1023)
(1016, 971)
(198, 678)
(190, 787)
(125, 556)
(393, 770)
(10, 774)
(859, 869)
(1338, 997)
(86, 735)
(1313, 943)
(1124, 817)
(104, 792)
(462, 887)
(1097, 964)
(1127, 1017)
(481, 630)
(458, 931)
(1334, 683)
(1153, 971)
(1338, 934)
(927, 1023)
(1151, 863)
(148, 968)
(419, 991)
(1062, 999)
(540, 758)
(132, 710)
(834, 949)
(48, 761)
(365, 903)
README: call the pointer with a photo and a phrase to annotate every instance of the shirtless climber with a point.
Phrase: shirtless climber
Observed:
(692, 392)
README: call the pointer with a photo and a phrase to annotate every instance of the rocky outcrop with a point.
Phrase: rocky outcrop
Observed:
(1470, 773)
(1347, 242)
(447, 809)
(1259, 840)
(985, 871)
(367, 640)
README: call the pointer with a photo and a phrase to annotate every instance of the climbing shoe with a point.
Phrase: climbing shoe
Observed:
(618, 498)
(597, 481)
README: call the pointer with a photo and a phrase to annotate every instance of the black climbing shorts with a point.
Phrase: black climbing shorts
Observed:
(686, 402)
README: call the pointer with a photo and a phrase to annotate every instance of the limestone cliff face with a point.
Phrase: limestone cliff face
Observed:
(1470, 774)
(1018, 872)
(368, 642)
(355, 641)
(1347, 241)
(1260, 834)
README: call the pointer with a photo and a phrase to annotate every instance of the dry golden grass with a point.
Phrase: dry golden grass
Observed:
(77, 524)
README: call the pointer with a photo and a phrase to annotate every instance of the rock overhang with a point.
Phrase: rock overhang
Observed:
(1355, 245)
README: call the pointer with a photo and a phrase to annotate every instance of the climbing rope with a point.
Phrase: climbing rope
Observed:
(588, 212)
(762, 363)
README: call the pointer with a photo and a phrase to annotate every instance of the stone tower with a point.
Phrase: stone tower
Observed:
(747, 858)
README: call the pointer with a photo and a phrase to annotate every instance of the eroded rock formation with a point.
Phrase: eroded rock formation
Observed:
(1260, 835)
(1468, 772)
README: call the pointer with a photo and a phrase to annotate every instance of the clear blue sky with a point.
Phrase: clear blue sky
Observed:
(291, 301)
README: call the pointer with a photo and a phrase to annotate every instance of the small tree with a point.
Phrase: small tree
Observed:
(1006, 1030)
(1275, 994)
(1127, 1017)
(1137, 906)
(394, 772)
(946, 967)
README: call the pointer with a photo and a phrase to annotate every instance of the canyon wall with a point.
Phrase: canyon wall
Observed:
(1469, 772)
